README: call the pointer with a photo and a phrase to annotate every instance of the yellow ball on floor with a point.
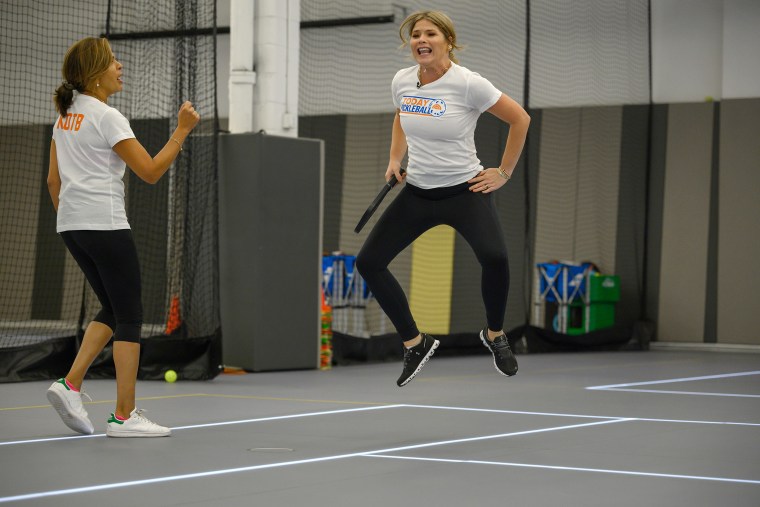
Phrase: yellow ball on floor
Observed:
(170, 376)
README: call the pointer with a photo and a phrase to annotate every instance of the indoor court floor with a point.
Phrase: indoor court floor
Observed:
(656, 428)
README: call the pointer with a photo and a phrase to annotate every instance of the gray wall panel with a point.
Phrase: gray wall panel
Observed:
(658, 153)
(270, 251)
(578, 185)
(332, 130)
(629, 250)
(597, 187)
(711, 287)
(683, 260)
(21, 157)
(557, 186)
(739, 223)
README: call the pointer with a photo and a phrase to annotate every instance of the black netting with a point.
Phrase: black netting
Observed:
(168, 51)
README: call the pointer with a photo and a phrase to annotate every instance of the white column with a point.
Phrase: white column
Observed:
(275, 102)
(242, 75)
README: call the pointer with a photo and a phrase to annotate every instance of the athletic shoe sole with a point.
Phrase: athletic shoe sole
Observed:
(135, 434)
(422, 363)
(61, 405)
(483, 339)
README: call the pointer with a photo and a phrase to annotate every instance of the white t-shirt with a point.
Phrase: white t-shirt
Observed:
(92, 190)
(439, 122)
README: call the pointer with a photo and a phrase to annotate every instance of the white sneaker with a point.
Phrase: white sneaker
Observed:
(136, 426)
(69, 406)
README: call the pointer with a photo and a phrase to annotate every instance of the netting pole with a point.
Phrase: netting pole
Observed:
(216, 90)
(242, 70)
(527, 274)
(643, 313)
(108, 20)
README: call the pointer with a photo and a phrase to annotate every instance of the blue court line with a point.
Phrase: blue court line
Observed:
(573, 469)
(210, 473)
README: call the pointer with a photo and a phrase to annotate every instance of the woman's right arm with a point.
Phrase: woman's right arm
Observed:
(150, 169)
(398, 150)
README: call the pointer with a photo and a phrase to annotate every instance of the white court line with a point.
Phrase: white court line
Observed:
(114, 485)
(692, 393)
(673, 380)
(210, 425)
(574, 469)
(581, 416)
(437, 407)
(518, 412)
(622, 387)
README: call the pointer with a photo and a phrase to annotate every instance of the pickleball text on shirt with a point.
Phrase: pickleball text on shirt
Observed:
(422, 106)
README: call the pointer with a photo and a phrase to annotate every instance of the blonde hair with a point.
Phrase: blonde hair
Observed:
(439, 19)
(85, 60)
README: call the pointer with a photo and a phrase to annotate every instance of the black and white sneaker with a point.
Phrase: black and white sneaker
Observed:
(503, 358)
(416, 357)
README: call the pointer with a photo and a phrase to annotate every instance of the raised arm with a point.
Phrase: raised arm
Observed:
(150, 169)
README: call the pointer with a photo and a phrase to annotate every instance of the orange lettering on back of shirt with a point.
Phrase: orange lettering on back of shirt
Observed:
(73, 122)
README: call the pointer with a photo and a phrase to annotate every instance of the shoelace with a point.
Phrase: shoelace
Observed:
(500, 345)
(407, 357)
(408, 353)
(80, 405)
(139, 415)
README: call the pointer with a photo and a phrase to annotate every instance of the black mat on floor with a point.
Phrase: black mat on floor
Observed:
(192, 358)
(526, 339)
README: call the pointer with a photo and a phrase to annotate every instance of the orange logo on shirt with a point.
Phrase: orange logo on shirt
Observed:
(422, 105)
(73, 122)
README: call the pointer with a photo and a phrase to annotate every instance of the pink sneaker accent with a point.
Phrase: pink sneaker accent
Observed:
(70, 385)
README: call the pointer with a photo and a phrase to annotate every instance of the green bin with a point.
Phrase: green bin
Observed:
(603, 293)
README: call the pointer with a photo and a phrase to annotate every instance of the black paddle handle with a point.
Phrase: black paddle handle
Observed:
(392, 182)
(376, 201)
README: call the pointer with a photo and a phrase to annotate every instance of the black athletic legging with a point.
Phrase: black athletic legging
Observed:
(109, 262)
(414, 211)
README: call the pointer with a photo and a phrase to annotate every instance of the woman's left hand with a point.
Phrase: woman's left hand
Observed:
(487, 180)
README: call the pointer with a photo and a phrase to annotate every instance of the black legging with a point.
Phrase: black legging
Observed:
(108, 260)
(414, 211)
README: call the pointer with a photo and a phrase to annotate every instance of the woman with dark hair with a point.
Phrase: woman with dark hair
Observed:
(438, 103)
(91, 147)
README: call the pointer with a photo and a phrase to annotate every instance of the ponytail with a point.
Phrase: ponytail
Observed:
(64, 96)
